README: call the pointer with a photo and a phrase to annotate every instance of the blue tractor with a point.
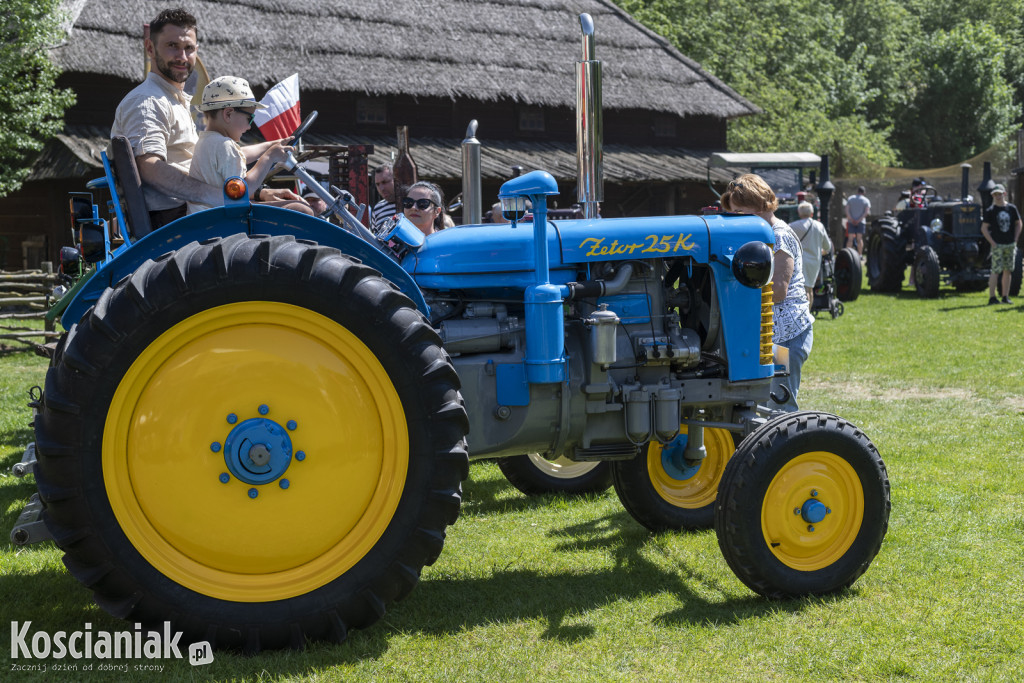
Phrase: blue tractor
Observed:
(257, 423)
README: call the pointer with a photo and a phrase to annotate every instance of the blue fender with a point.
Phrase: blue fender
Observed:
(235, 218)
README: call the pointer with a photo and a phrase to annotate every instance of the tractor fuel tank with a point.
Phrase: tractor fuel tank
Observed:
(473, 256)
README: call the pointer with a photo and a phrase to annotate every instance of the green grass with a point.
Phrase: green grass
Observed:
(573, 589)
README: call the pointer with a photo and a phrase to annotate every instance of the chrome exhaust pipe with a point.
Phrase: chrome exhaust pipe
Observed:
(471, 209)
(589, 125)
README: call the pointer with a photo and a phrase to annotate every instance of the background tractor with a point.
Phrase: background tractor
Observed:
(941, 241)
(257, 422)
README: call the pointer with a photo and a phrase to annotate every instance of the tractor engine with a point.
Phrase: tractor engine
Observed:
(646, 348)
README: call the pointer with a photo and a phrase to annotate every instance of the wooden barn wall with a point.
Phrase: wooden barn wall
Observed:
(37, 210)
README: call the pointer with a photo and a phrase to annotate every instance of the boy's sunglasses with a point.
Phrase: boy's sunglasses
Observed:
(251, 115)
(421, 204)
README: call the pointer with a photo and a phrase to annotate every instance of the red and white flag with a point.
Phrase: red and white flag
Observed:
(282, 116)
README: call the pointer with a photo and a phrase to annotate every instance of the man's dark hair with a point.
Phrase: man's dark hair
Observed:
(380, 169)
(861, 189)
(175, 17)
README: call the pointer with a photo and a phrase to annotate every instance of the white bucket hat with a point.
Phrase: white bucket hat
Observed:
(228, 91)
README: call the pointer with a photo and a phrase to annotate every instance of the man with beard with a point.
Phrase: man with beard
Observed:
(156, 120)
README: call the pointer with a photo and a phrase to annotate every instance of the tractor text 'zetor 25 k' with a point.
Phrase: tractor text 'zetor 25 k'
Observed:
(257, 423)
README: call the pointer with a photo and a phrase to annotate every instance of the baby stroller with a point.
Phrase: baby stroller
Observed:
(839, 280)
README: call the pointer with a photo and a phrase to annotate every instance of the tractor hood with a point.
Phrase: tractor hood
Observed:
(502, 255)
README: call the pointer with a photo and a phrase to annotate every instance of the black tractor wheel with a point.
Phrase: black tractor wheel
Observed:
(664, 492)
(885, 254)
(533, 475)
(848, 274)
(256, 439)
(1015, 276)
(803, 506)
(926, 272)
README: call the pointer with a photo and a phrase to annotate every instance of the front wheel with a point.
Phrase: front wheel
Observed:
(665, 492)
(803, 506)
(926, 272)
(256, 439)
(533, 474)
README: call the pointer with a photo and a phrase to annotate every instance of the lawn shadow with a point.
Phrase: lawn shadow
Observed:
(489, 496)
(510, 595)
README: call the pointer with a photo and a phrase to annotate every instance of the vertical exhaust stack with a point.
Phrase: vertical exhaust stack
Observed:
(589, 126)
(471, 206)
(965, 182)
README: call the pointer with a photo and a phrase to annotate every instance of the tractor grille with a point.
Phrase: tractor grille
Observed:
(767, 325)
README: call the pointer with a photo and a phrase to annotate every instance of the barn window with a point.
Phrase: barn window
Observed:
(372, 110)
(531, 119)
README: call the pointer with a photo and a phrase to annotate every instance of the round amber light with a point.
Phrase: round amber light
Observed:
(235, 188)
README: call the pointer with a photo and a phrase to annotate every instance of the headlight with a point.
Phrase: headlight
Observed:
(936, 224)
(753, 265)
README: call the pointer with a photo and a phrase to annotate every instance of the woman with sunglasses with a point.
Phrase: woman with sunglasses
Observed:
(793, 328)
(229, 108)
(423, 205)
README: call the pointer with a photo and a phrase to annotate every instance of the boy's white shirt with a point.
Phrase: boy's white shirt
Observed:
(216, 158)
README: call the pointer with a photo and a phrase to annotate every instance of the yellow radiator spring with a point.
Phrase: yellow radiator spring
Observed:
(767, 325)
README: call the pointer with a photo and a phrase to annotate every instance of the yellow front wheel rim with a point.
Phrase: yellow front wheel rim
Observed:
(689, 487)
(812, 511)
(175, 411)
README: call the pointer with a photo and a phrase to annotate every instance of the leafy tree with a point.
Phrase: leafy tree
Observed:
(31, 108)
(961, 102)
(788, 58)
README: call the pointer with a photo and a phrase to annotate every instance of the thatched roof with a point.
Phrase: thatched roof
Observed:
(78, 154)
(488, 50)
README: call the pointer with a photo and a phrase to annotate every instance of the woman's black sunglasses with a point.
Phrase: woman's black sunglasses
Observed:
(421, 204)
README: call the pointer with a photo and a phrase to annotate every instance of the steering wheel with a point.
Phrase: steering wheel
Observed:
(303, 127)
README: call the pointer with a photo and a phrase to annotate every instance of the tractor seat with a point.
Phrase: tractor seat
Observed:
(135, 213)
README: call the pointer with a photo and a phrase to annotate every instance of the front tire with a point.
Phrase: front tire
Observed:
(664, 492)
(533, 475)
(258, 440)
(803, 506)
(926, 272)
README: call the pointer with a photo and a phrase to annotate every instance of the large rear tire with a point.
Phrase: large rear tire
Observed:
(803, 506)
(532, 474)
(664, 492)
(886, 256)
(848, 275)
(256, 439)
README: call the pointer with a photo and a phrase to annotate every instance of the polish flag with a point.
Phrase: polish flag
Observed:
(282, 116)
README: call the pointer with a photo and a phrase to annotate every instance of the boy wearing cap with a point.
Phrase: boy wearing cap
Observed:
(1001, 227)
(229, 106)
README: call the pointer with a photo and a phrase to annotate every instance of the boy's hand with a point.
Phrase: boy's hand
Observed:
(278, 151)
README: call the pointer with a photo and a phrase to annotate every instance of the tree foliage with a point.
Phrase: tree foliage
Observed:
(873, 83)
(31, 107)
(959, 88)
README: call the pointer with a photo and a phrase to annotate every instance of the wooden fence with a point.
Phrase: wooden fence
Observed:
(25, 295)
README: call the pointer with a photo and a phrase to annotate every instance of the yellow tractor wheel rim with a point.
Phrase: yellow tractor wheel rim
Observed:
(174, 412)
(685, 487)
(812, 511)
